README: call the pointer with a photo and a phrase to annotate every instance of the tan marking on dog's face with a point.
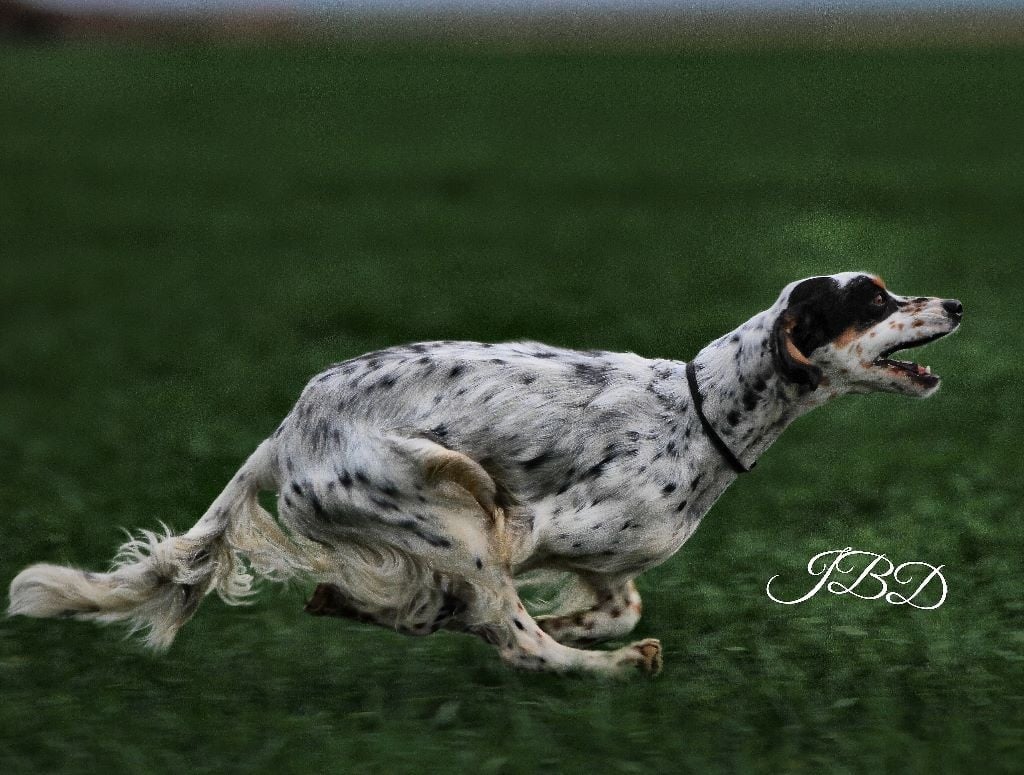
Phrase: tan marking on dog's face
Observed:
(846, 338)
(791, 348)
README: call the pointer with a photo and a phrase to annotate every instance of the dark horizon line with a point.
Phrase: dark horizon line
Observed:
(717, 26)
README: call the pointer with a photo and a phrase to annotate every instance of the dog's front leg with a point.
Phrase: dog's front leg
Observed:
(523, 644)
(614, 615)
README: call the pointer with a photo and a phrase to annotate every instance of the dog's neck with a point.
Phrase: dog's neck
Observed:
(745, 399)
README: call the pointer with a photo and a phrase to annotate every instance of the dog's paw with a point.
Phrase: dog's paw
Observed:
(644, 655)
(649, 655)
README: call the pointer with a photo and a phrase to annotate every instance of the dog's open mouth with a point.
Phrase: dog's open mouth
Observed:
(916, 372)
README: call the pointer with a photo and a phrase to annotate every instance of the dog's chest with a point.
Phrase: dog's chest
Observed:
(644, 523)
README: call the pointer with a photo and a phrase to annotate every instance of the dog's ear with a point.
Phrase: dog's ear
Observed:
(792, 364)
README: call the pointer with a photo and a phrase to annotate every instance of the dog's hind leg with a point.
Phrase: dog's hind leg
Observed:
(436, 610)
(614, 615)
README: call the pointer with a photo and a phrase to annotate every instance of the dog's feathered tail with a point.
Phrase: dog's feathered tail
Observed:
(158, 580)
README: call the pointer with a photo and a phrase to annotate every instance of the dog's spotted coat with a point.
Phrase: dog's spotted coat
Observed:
(419, 482)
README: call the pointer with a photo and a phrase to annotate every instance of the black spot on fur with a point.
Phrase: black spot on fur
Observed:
(750, 400)
(733, 417)
(434, 540)
(536, 461)
(318, 507)
(570, 476)
(456, 371)
(668, 488)
(598, 468)
(591, 373)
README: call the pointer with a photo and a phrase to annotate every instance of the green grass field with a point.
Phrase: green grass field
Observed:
(187, 234)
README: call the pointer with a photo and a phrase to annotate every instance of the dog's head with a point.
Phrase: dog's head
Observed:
(838, 331)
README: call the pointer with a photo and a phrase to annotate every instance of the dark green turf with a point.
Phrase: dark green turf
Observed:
(187, 234)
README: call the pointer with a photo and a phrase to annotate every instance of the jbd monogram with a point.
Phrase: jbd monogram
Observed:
(869, 582)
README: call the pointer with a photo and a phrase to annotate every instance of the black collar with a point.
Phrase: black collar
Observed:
(716, 440)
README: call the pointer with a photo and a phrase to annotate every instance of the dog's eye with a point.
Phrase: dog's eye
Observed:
(879, 300)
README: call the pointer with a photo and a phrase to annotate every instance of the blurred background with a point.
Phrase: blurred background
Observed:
(202, 204)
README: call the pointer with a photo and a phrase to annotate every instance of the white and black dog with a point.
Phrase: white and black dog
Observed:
(421, 483)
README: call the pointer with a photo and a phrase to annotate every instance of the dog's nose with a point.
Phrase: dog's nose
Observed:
(954, 308)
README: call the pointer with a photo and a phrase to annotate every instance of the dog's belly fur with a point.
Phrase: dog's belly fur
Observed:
(595, 462)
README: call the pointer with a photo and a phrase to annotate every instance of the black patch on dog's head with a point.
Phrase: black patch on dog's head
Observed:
(824, 310)
(818, 311)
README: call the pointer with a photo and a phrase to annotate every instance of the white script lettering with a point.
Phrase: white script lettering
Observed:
(870, 572)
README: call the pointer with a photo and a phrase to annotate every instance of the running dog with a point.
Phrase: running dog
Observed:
(419, 484)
